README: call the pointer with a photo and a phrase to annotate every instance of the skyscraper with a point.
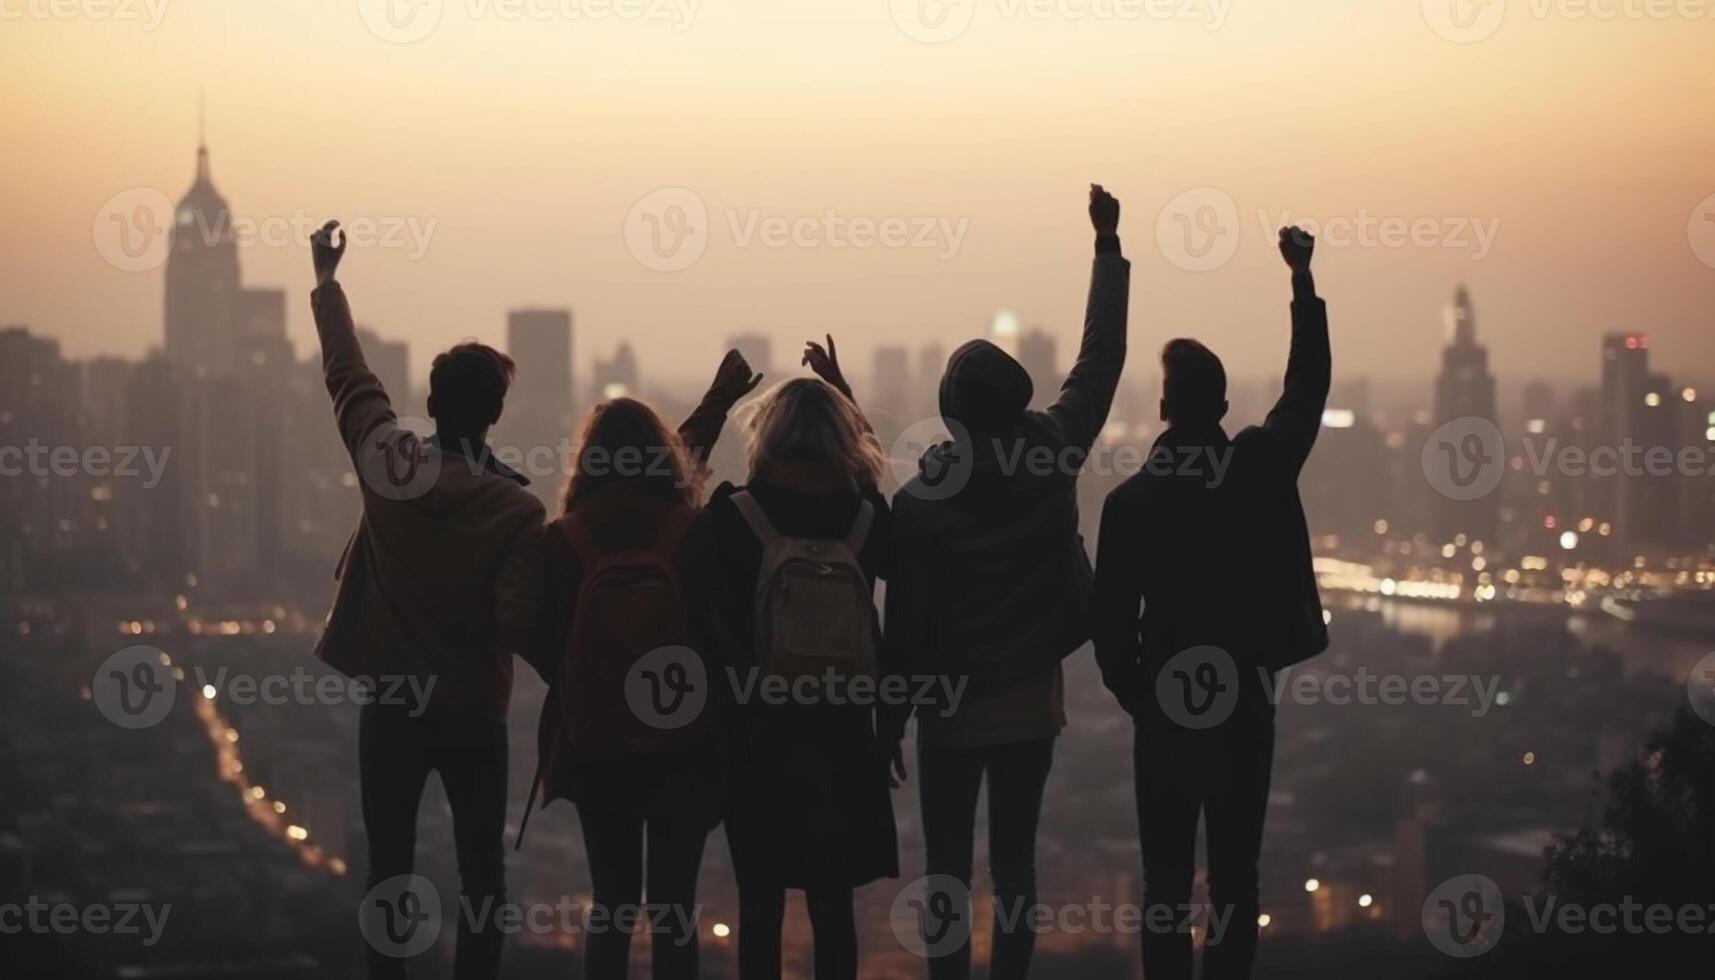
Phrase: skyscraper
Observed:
(1036, 353)
(891, 378)
(538, 413)
(1637, 414)
(618, 376)
(202, 294)
(1465, 389)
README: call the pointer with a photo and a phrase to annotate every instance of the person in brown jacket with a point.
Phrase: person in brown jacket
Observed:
(422, 606)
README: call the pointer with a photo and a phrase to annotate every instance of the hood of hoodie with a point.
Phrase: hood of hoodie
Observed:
(984, 388)
(985, 396)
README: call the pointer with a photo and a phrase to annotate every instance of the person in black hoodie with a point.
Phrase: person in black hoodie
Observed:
(1210, 539)
(991, 586)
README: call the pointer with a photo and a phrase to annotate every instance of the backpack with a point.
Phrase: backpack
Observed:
(815, 607)
(629, 605)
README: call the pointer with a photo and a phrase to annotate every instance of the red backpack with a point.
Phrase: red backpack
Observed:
(628, 681)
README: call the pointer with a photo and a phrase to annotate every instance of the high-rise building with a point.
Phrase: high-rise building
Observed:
(1638, 414)
(203, 306)
(618, 376)
(1036, 353)
(537, 419)
(391, 361)
(891, 383)
(1466, 389)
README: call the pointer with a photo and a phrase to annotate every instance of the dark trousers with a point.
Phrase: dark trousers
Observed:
(761, 913)
(950, 780)
(614, 840)
(1221, 774)
(396, 753)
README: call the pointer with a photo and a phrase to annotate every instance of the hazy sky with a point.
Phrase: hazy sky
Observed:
(504, 156)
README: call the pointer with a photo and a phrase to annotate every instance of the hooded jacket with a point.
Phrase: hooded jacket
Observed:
(991, 577)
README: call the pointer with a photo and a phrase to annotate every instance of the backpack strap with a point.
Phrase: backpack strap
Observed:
(752, 513)
(860, 527)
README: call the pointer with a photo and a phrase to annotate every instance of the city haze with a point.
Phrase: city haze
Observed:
(520, 144)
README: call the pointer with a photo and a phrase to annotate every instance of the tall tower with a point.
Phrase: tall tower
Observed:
(537, 419)
(1465, 388)
(202, 295)
(1638, 413)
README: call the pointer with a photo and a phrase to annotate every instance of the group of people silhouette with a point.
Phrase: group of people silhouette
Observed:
(646, 592)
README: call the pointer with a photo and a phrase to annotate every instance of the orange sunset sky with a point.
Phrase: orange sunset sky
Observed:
(510, 145)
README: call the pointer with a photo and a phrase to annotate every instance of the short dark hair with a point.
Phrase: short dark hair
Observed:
(1193, 383)
(467, 386)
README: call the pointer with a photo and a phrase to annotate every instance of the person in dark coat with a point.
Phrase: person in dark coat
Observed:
(811, 806)
(991, 588)
(670, 798)
(1210, 540)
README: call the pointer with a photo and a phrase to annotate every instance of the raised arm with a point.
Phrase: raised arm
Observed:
(1297, 416)
(1116, 600)
(702, 428)
(360, 403)
(825, 363)
(1088, 393)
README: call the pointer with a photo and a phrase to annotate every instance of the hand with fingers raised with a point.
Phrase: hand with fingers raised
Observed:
(825, 362)
(734, 378)
(325, 254)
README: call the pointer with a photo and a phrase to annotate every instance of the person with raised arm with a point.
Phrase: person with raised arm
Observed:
(1211, 542)
(801, 545)
(991, 590)
(422, 606)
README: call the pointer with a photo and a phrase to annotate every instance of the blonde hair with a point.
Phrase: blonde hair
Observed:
(805, 421)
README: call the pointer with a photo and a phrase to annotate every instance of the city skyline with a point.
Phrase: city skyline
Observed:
(555, 181)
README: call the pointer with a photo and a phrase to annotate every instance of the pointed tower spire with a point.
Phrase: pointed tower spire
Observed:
(202, 135)
(1462, 318)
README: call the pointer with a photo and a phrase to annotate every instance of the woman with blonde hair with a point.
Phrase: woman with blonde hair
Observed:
(800, 546)
(627, 581)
